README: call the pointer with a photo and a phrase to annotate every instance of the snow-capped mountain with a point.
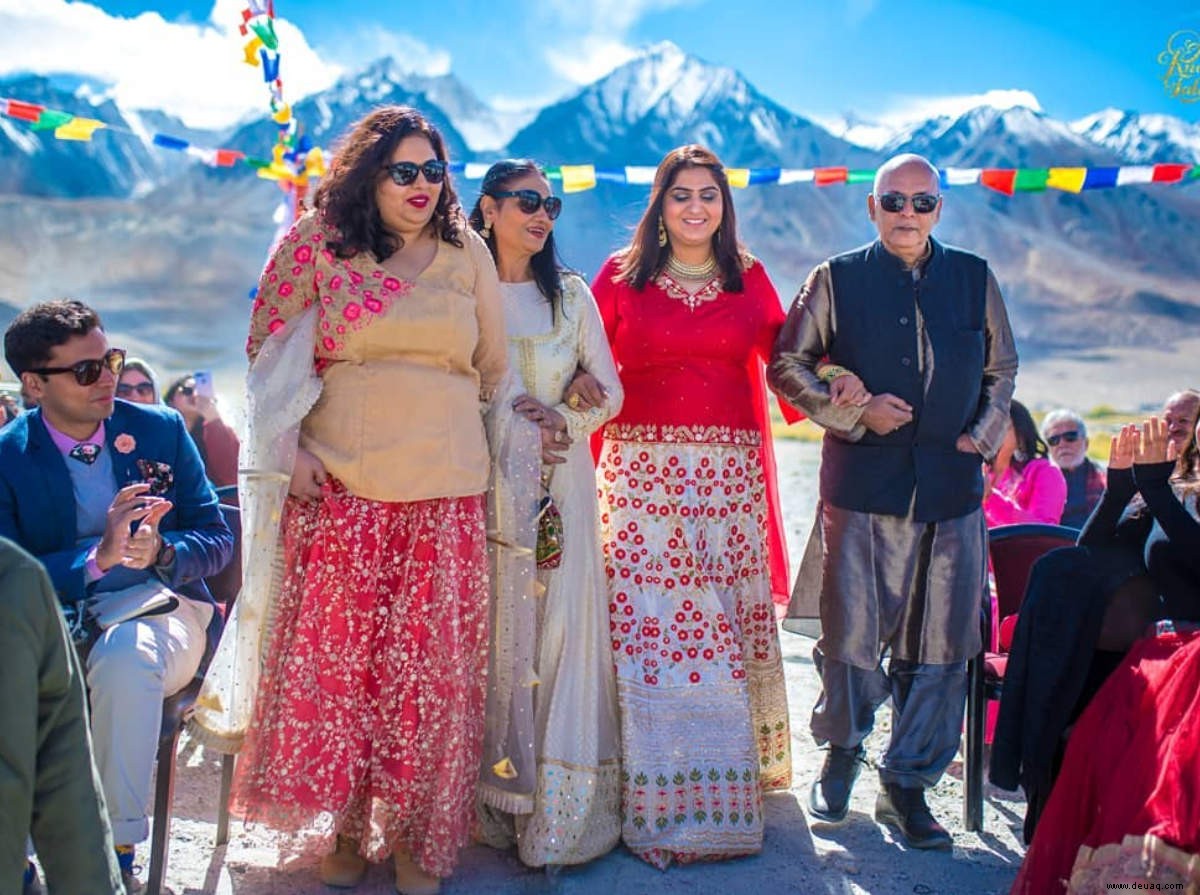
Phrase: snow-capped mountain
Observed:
(860, 131)
(986, 137)
(665, 97)
(1142, 139)
(325, 116)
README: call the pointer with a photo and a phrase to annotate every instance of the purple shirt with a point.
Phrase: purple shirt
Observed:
(65, 444)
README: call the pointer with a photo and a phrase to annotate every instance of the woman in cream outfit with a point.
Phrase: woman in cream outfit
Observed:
(550, 771)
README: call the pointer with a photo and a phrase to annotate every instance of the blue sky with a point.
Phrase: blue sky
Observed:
(869, 57)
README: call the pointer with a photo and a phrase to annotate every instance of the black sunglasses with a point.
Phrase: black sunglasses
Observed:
(87, 372)
(404, 173)
(1069, 437)
(922, 203)
(529, 201)
(142, 388)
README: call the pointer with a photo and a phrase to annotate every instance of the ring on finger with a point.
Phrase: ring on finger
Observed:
(574, 401)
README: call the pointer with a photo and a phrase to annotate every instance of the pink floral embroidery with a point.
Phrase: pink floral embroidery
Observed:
(355, 277)
(124, 443)
(352, 311)
(335, 282)
(275, 326)
(285, 289)
(303, 254)
(392, 284)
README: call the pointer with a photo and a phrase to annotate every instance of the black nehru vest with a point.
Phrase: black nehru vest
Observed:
(875, 301)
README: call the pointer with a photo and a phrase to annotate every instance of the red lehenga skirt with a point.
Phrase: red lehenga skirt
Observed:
(369, 718)
(1125, 810)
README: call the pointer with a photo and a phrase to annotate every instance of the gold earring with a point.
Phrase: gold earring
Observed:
(662, 233)
(486, 230)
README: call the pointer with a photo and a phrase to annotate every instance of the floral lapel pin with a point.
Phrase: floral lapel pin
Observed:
(158, 475)
(124, 443)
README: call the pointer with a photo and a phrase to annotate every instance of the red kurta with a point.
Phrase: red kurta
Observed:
(698, 362)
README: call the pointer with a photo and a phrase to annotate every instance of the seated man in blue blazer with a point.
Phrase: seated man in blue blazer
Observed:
(112, 498)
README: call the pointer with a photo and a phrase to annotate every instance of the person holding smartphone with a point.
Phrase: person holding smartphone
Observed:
(193, 396)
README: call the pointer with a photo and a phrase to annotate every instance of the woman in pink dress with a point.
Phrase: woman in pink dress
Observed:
(1021, 484)
(369, 717)
(690, 524)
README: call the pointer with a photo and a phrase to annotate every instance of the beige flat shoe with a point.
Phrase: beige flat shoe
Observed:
(411, 879)
(344, 868)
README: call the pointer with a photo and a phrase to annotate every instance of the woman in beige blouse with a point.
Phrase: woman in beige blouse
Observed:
(550, 778)
(369, 716)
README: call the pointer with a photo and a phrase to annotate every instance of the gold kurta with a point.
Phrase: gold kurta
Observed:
(399, 413)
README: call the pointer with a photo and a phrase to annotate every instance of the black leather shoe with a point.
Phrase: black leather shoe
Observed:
(905, 809)
(829, 798)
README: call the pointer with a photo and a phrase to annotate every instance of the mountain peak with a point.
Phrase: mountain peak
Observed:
(1141, 138)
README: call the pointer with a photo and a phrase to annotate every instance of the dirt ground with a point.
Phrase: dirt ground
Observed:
(797, 857)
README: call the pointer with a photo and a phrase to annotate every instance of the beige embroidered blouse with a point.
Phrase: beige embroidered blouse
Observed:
(405, 363)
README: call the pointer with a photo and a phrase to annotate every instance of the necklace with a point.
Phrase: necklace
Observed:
(684, 271)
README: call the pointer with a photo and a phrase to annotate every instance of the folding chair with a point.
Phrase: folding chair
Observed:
(1013, 550)
(177, 710)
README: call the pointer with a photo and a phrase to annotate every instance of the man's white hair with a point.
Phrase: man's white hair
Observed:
(1063, 415)
(900, 161)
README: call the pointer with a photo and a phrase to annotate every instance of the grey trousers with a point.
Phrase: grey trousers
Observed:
(927, 714)
(131, 669)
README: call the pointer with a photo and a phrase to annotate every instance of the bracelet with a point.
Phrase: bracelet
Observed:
(831, 372)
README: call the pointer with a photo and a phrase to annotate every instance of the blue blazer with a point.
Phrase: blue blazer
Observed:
(37, 500)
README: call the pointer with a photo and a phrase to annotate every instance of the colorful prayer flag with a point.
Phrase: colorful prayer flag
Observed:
(999, 179)
(1070, 180)
(577, 178)
(24, 111)
(79, 129)
(827, 176)
(739, 178)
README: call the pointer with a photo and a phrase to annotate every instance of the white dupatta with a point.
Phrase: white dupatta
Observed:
(281, 387)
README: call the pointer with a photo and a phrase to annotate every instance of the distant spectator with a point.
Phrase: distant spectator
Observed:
(1179, 413)
(1021, 485)
(9, 410)
(1067, 439)
(217, 442)
(138, 382)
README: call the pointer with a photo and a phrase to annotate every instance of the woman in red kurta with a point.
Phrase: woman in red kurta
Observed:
(690, 524)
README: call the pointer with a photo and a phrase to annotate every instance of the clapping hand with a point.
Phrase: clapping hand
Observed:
(1153, 446)
(1123, 446)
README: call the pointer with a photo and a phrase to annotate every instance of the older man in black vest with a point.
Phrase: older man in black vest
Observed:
(901, 563)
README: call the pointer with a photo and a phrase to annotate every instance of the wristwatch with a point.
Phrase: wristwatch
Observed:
(166, 554)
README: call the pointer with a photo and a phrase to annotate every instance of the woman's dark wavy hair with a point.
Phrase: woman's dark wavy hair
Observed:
(346, 196)
(1029, 440)
(547, 269)
(644, 258)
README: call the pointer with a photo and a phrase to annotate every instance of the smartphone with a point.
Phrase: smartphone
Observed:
(204, 384)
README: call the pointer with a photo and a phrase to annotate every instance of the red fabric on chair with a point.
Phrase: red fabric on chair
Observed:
(1007, 627)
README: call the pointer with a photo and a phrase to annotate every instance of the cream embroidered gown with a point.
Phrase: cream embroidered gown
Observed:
(567, 809)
